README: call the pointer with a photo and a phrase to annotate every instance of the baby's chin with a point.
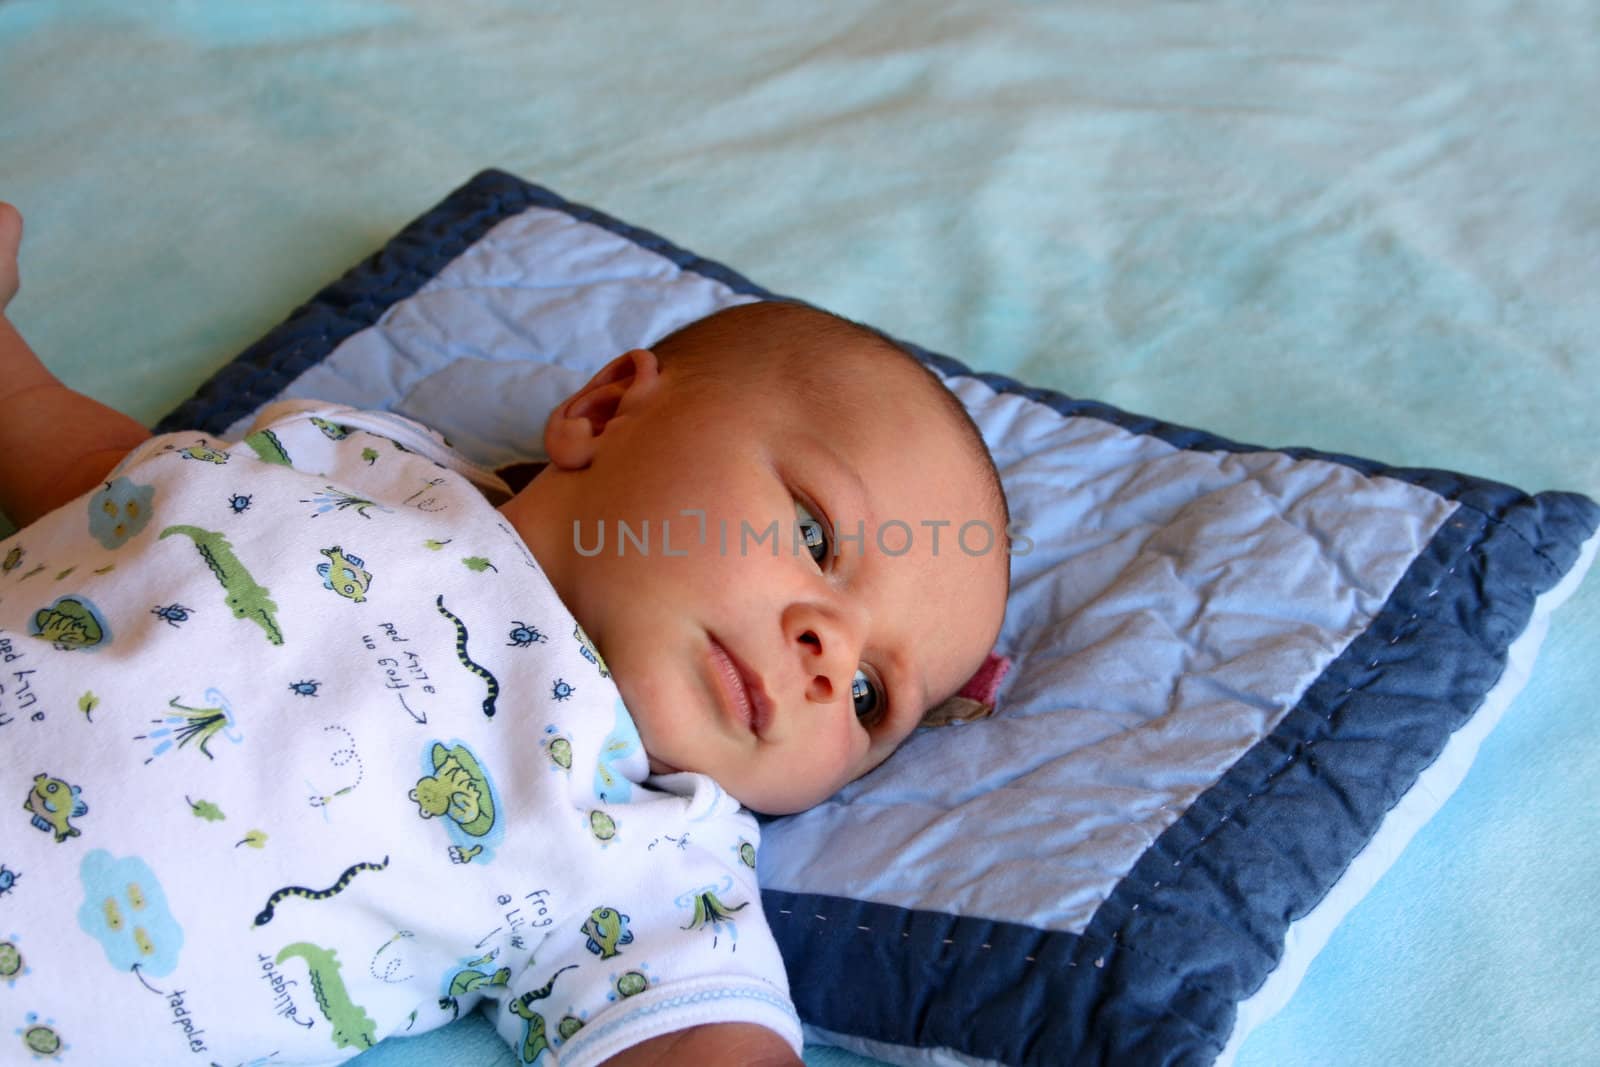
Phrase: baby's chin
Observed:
(761, 805)
(658, 766)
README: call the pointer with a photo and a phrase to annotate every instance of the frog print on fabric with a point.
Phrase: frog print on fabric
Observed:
(72, 622)
(468, 976)
(459, 793)
(52, 802)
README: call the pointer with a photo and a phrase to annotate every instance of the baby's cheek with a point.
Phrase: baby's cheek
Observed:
(839, 756)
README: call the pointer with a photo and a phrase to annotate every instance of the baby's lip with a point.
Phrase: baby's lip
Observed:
(745, 700)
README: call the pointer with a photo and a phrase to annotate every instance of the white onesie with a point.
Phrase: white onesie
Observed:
(302, 750)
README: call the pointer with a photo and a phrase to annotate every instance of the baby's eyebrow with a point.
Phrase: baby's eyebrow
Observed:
(840, 468)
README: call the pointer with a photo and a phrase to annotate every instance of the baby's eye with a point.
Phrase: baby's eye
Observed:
(811, 532)
(867, 697)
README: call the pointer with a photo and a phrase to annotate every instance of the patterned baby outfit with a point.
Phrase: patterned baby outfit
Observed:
(302, 750)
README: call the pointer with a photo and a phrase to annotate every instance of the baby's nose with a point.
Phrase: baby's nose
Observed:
(828, 653)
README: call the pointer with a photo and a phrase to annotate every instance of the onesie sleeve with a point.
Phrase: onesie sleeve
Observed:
(674, 938)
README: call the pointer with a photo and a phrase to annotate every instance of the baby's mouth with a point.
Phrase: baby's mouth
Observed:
(743, 698)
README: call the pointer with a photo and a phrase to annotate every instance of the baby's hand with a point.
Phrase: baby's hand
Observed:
(10, 241)
(55, 443)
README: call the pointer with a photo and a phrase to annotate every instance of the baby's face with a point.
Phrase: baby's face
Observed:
(782, 669)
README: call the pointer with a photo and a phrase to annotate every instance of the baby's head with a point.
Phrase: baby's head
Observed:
(803, 549)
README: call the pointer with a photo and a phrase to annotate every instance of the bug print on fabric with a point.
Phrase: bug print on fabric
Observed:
(174, 614)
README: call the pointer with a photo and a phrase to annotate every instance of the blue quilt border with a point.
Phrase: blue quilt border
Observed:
(1159, 971)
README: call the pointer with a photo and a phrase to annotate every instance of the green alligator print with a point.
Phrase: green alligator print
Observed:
(245, 598)
(265, 444)
(352, 1028)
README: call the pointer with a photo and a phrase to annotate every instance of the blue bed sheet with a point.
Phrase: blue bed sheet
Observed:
(1366, 228)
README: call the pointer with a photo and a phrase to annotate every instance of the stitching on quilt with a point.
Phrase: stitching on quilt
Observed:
(1116, 944)
(906, 934)
(1556, 569)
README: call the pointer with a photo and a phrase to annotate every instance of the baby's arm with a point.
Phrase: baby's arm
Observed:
(744, 1044)
(55, 443)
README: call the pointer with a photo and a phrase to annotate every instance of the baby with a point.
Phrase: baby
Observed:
(327, 735)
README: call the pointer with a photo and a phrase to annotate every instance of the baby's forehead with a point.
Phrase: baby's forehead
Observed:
(855, 380)
(841, 381)
(863, 402)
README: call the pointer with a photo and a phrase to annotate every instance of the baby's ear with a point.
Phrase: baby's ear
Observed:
(574, 429)
(976, 700)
